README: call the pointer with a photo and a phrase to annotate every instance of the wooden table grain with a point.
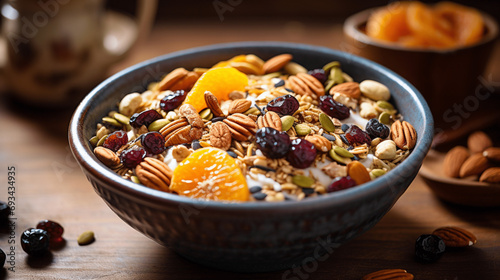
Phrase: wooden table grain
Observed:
(50, 185)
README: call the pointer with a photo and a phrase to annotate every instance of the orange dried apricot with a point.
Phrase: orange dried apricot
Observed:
(389, 23)
(210, 174)
(467, 23)
(220, 82)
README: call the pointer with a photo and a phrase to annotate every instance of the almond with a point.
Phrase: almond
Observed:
(454, 160)
(478, 142)
(107, 156)
(455, 236)
(171, 78)
(185, 83)
(491, 175)
(492, 153)
(358, 172)
(474, 165)
(276, 63)
(239, 106)
(387, 274)
(350, 89)
(213, 104)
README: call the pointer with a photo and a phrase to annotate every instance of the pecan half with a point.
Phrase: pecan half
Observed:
(305, 84)
(220, 136)
(154, 173)
(241, 126)
(455, 236)
(386, 274)
(184, 130)
(270, 119)
(239, 106)
(213, 104)
(404, 135)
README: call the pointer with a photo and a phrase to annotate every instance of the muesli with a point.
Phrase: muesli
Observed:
(253, 130)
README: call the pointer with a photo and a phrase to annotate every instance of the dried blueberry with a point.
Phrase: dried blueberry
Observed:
(272, 143)
(333, 108)
(429, 248)
(144, 118)
(341, 183)
(153, 142)
(356, 135)
(172, 101)
(284, 105)
(376, 129)
(302, 153)
(319, 74)
(132, 157)
(115, 140)
(35, 242)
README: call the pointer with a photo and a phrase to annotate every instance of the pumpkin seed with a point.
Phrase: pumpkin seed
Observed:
(158, 124)
(384, 118)
(101, 132)
(121, 118)
(377, 172)
(385, 105)
(101, 141)
(329, 85)
(342, 152)
(338, 158)
(135, 179)
(336, 75)
(86, 238)
(205, 114)
(330, 65)
(94, 140)
(326, 122)
(302, 129)
(293, 68)
(252, 111)
(287, 122)
(111, 121)
(303, 181)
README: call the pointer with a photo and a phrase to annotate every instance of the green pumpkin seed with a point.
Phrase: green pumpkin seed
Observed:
(385, 105)
(302, 129)
(271, 75)
(303, 181)
(86, 238)
(293, 68)
(329, 85)
(93, 141)
(158, 124)
(287, 122)
(336, 75)
(330, 65)
(101, 141)
(326, 122)
(111, 121)
(121, 118)
(338, 158)
(342, 152)
(377, 172)
(252, 111)
(384, 118)
(205, 114)
(135, 179)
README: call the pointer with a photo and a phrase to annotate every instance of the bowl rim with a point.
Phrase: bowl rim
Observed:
(352, 23)
(90, 164)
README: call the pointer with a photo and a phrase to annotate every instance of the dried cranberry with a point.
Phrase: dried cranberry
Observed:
(35, 242)
(144, 118)
(333, 108)
(132, 157)
(284, 105)
(376, 129)
(55, 230)
(3, 257)
(172, 101)
(356, 135)
(302, 153)
(272, 143)
(153, 142)
(319, 74)
(341, 183)
(429, 248)
(115, 140)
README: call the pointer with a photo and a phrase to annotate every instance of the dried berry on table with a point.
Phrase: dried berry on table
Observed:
(35, 242)
(54, 229)
(429, 248)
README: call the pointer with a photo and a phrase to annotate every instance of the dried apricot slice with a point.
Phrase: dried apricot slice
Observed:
(466, 23)
(220, 82)
(210, 174)
(389, 23)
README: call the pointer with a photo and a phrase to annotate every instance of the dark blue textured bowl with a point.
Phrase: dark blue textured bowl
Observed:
(249, 237)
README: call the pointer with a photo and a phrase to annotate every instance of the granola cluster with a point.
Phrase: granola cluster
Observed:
(293, 132)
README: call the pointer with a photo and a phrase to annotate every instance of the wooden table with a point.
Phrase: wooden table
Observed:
(50, 185)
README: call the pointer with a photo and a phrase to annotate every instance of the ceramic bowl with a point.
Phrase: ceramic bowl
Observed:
(248, 237)
(444, 77)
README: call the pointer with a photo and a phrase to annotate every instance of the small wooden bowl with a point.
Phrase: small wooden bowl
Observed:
(459, 191)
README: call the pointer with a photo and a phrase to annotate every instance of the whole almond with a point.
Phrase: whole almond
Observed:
(239, 106)
(492, 153)
(474, 165)
(387, 274)
(276, 63)
(455, 236)
(171, 78)
(350, 89)
(491, 175)
(107, 156)
(454, 160)
(213, 104)
(478, 142)
(358, 172)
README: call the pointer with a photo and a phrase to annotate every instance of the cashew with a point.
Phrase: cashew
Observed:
(130, 103)
(367, 110)
(386, 150)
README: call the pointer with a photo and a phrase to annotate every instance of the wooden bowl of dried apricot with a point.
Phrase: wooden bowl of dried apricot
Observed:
(442, 49)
